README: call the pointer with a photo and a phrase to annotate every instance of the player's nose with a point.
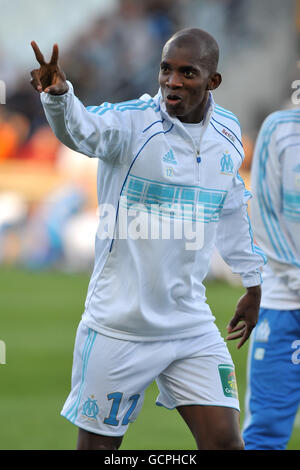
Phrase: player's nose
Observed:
(174, 81)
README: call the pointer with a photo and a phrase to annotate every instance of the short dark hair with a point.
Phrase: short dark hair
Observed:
(208, 46)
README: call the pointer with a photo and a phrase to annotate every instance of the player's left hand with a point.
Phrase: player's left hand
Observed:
(246, 316)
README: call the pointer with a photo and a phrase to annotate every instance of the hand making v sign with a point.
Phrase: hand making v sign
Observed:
(49, 77)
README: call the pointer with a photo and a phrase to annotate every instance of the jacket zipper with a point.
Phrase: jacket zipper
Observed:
(198, 158)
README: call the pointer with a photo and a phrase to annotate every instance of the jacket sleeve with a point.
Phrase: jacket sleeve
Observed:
(94, 131)
(290, 207)
(276, 212)
(234, 236)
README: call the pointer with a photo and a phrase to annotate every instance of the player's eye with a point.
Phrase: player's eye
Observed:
(164, 68)
(189, 74)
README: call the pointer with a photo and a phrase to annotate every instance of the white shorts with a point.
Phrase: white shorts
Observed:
(109, 378)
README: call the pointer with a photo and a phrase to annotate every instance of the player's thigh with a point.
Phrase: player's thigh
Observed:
(274, 359)
(213, 427)
(90, 441)
(201, 384)
(109, 378)
(273, 393)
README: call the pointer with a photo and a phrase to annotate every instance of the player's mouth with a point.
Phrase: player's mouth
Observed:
(173, 99)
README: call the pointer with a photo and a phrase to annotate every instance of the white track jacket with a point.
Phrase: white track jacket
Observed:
(147, 279)
(275, 209)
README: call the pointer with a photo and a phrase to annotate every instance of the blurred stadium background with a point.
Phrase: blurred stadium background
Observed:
(110, 50)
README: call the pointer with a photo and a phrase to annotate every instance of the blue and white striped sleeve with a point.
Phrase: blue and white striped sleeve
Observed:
(276, 183)
(234, 236)
(86, 130)
(290, 192)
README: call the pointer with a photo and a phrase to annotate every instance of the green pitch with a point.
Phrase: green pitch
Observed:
(39, 313)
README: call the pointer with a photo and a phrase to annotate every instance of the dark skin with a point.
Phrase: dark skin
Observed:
(185, 79)
(49, 78)
(187, 74)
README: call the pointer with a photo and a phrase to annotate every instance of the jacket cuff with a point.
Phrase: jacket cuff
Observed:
(47, 98)
(252, 279)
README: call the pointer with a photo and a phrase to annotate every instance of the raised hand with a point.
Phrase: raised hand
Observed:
(49, 77)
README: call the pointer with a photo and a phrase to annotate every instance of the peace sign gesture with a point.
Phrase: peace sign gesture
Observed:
(49, 77)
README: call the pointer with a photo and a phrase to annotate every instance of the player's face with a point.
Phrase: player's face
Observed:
(184, 81)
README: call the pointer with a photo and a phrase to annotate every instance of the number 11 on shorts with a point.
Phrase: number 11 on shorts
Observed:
(116, 402)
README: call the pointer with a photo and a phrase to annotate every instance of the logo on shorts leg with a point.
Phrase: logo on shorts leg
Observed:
(90, 408)
(228, 379)
(262, 332)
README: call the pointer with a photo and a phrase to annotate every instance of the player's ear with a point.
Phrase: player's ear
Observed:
(214, 81)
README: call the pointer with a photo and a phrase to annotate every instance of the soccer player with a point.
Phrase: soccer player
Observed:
(273, 394)
(172, 158)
